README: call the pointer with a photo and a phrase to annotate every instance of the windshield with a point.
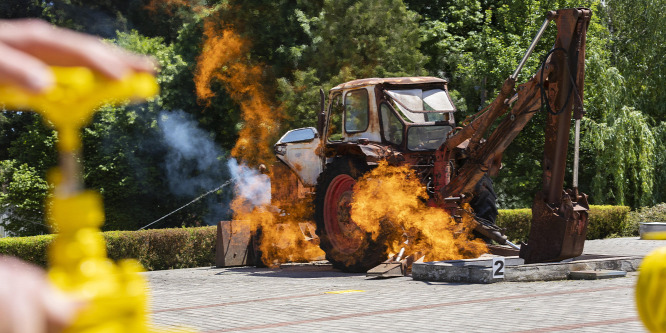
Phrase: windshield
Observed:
(426, 137)
(420, 106)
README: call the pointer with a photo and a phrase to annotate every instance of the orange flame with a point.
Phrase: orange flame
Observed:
(286, 235)
(396, 197)
(224, 57)
(388, 194)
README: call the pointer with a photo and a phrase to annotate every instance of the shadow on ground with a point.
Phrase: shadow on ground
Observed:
(294, 271)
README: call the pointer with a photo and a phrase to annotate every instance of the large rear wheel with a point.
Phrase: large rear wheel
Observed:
(484, 202)
(347, 247)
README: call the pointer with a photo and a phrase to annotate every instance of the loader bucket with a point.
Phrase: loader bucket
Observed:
(556, 233)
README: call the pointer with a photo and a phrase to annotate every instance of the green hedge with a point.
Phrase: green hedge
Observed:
(155, 249)
(195, 247)
(31, 249)
(604, 222)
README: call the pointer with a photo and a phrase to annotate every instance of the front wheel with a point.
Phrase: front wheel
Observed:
(347, 247)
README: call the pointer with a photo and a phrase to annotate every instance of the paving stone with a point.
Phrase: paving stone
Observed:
(596, 275)
(294, 299)
(469, 271)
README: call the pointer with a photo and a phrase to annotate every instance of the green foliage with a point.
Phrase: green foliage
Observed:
(608, 222)
(124, 151)
(304, 45)
(31, 249)
(635, 26)
(23, 199)
(624, 162)
(300, 99)
(622, 142)
(11, 9)
(356, 39)
(515, 222)
(478, 44)
(285, 31)
(604, 222)
(625, 132)
(444, 28)
(220, 117)
(660, 162)
(154, 249)
(164, 248)
(29, 149)
(349, 40)
(656, 213)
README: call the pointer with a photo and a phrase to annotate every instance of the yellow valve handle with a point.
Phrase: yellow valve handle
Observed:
(77, 93)
(651, 291)
(114, 294)
(651, 287)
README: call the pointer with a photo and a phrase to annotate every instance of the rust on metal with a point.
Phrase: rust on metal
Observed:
(396, 266)
(557, 233)
(233, 246)
(486, 154)
(451, 172)
(393, 80)
(287, 189)
(559, 220)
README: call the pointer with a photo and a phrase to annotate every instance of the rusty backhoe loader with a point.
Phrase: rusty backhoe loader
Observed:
(410, 121)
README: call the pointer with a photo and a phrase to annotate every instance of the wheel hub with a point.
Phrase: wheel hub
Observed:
(344, 234)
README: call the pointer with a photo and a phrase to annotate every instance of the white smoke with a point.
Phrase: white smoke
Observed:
(250, 183)
(195, 164)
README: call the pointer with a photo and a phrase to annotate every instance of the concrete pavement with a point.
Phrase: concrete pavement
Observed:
(317, 298)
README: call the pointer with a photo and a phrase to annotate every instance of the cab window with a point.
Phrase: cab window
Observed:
(356, 110)
(334, 132)
(391, 125)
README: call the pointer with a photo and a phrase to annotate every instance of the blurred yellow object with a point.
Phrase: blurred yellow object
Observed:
(655, 235)
(71, 102)
(115, 294)
(651, 288)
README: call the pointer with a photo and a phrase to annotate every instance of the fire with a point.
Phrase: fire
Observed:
(286, 235)
(393, 196)
(387, 200)
(282, 238)
(225, 57)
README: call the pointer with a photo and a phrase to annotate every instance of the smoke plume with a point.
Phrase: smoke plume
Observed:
(194, 164)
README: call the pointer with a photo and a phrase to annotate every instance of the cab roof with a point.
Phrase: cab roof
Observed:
(390, 80)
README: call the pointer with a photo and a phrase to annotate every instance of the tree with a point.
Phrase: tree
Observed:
(634, 27)
(356, 39)
(23, 198)
(444, 26)
(30, 152)
(350, 40)
(488, 53)
(125, 151)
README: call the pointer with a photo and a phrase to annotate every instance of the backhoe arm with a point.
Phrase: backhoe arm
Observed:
(559, 220)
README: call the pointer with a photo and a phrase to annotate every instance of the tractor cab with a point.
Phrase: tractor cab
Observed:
(366, 118)
(411, 114)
